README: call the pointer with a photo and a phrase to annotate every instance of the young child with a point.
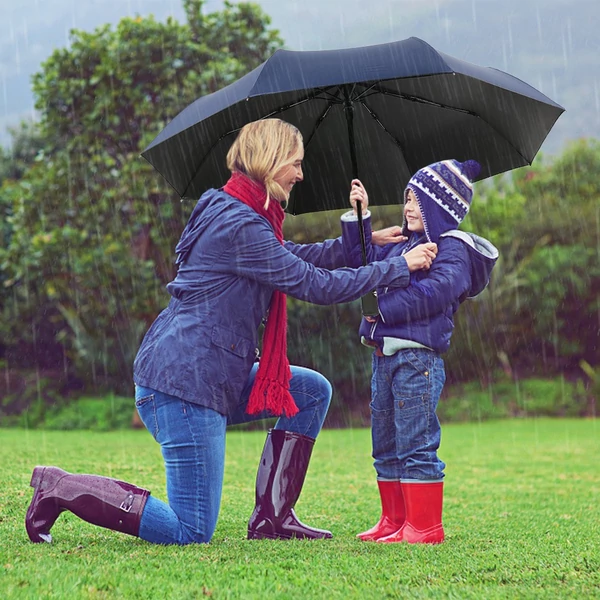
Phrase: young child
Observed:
(411, 331)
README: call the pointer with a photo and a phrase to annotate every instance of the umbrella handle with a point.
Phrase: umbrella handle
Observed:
(368, 301)
(369, 305)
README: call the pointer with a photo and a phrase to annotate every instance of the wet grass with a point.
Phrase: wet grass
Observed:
(521, 518)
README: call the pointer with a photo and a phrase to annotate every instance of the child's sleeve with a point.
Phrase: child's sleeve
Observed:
(445, 282)
(351, 240)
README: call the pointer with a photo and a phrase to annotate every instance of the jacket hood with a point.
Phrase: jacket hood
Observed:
(444, 191)
(483, 255)
(195, 226)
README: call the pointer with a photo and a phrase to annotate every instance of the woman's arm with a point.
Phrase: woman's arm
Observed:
(257, 255)
(328, 254)
(389, 235)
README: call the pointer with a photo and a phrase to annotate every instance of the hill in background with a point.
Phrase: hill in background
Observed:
(551, 44)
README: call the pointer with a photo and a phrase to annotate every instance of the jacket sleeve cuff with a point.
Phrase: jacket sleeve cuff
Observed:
(349, 217)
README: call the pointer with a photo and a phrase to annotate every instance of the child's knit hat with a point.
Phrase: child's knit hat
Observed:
(444, 191)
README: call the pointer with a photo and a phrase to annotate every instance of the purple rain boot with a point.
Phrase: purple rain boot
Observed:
(279, 481)
(102, 501)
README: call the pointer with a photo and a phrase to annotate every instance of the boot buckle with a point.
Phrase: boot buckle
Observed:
(127, 503)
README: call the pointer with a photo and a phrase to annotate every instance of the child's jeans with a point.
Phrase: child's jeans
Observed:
(406, 432)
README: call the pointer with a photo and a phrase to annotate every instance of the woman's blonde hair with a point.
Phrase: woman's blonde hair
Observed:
(261, 149)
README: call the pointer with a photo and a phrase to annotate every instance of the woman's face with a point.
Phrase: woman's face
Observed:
(289, 175)
(412, 213)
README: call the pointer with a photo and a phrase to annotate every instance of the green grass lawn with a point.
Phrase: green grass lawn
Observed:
(521, 514)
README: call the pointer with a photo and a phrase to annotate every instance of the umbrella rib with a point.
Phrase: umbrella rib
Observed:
(318, 123)
(313, 96)
(363, 93)
(420, 100)
(335, 99)
(297, 103)
(374, 115)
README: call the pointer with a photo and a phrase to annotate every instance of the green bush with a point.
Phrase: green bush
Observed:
(472, 401)
(524, 398)
(95, 414)
(26, 397)
(471, 404)
(554, 398)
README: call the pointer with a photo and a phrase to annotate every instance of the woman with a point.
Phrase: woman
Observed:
(195, 372)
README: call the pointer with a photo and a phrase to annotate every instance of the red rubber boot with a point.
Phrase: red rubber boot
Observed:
(423, 514)
(393, 513)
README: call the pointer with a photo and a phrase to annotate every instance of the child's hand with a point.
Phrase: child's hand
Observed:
(421, 257)
(358, 194)
(389, 235)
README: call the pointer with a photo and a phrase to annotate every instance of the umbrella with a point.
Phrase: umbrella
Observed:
(378, 112)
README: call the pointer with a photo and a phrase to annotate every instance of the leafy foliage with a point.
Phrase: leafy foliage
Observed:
(91, 227)
(540, 312)
(88, 228)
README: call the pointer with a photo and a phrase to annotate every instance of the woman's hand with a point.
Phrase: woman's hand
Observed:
(389, 235)
(421, 257)
(358, 194)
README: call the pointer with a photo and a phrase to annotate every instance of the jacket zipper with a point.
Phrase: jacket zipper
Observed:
(372, 332)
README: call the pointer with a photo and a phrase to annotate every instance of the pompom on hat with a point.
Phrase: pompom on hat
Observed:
(444, 191)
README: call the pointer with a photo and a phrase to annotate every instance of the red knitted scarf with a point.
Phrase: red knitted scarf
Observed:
(271, 390)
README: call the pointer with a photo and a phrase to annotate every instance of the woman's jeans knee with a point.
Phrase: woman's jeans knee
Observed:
(312, 394)
(192, 440)
(406, 432)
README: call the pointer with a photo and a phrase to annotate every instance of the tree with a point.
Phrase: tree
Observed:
(540, 313)
(93, 226)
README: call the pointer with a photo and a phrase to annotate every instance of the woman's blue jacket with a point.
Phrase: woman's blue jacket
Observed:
(202, 346)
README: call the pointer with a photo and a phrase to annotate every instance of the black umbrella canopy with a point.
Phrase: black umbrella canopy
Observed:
(410, 104)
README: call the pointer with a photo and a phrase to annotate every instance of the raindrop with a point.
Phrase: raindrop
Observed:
(539, 24)
(510, 39)
(447, 24)
(17, 56)
(5, 95)
(25, 36)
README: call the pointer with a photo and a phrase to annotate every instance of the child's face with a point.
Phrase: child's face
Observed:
(412, 213)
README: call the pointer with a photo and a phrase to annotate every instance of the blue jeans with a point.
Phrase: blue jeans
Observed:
(405, 430)
(192, 440)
